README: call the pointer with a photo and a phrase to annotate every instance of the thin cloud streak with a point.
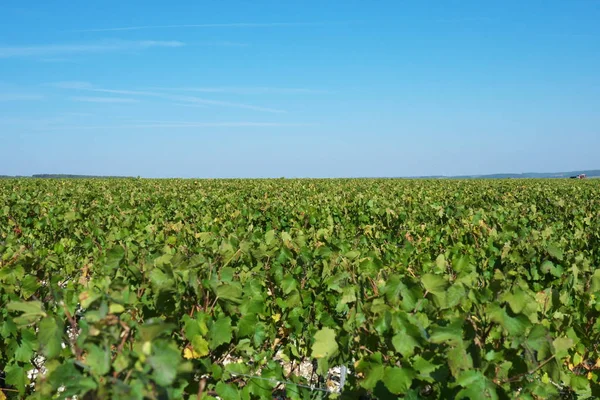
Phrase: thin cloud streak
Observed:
(222, 43)
(73, 121)
(211, 125)
(87, 99)
(173, 125)
(192, 100)
(190, 105)
(71, 85)
(198, 100)
(128, 92)
(225, 25)
(19, 97)
(99, 47)
(245, 90)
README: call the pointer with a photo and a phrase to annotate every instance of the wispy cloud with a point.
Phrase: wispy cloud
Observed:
(221, 43)
(167, 124)
(56, 60)
(87, 99)
(48, 125)
(77, 114)
(463, 20)
(202, 101)
(99, 47)
(190, 100)
(128, 92)
(77, 122)
(19, 97)
(225, 25)
(245, 90)
(71, 85)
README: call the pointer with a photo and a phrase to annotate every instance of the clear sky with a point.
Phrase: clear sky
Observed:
(299, 88)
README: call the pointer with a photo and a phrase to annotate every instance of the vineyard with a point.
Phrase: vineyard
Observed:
(422, 289)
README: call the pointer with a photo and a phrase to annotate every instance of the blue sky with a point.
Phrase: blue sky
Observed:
(299, 89)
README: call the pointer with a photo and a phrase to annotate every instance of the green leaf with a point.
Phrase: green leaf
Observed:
(246, 325)
(405, 344)
(12, 274)
(24, 352)
(160, 280)
(227, 274)
(476, 386)
(74, 383)
(324, 345)
(538, 341)
(70, 216)
(8, 328)
(469, 378)
(261, 389)
(372, 369)
(398, 380)
(230, 292)
(164, 361)
(434, 284)
(220, 332)
(193, 327)
(581, 386)
(348, 295)
(562, 345)
(353, 254)
(455, 294)
(516, 326)
(29, 285)
(459, 359)
(27, 307)
(98, 359)
(393, 289)
(32, 311)
(451, 333)
(114, 257)
(269, 237)
(286, 237)
(555, 252)
(50, 336)
(16, 376)
(87, 297)
(226, 391)
(517, 300)
(236, 368)
(260, 333)
(543, 390)
(121, 362)
(322, 366)
(80, 387)
(440, 263)
(595, 282)
(153, 329)
(548, 267)
(382, 324)
(288, 284)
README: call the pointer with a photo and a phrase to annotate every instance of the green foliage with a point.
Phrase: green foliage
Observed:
(133, 289)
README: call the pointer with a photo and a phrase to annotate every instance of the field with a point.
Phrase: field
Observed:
(133, 288)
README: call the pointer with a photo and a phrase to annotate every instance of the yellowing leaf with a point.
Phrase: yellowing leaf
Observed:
(190, 353)
(200, 346)
(116, 308)
(325, 345)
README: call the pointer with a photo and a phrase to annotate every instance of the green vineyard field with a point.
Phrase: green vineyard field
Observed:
(422, 289)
